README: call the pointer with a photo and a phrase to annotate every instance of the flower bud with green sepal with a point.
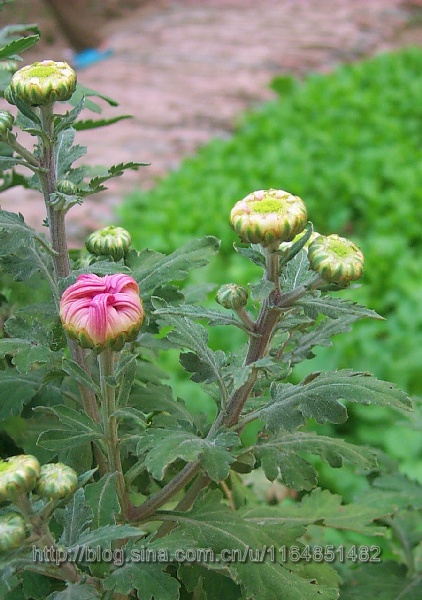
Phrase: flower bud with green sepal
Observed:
(109, 241)
(232, 296)
(12, 531)
(56, 481)
(102, 312)
(269, 217)
(6, 122)
(18, 474)
(42, 83)
(64, 186)
(336, 259)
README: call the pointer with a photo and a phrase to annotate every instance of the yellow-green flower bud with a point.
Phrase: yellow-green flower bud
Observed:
(109, 241)
(6, 122)
(64, 186)
(18, 474)
(232, 296)
(336, 259)
(56, 481)
(12, 531)
(42, 83)
(269, 217)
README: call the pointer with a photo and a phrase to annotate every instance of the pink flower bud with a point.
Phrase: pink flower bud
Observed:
(102, 312)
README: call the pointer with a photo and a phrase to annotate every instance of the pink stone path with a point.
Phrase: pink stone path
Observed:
(186, 69)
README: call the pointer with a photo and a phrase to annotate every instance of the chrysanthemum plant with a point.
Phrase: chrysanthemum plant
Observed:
(113, 489)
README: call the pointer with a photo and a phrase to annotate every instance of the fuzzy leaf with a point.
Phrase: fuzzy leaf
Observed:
(319, 396)
(163, 446)
(76, 591)
(91, 124)
(386, 580)
(216, 526)
(323, 508)
(74, 429)
(279, 457)
(16, 389)
(149, 579)
(152, 269)
(102, 498)
(76, 519)
(17, 46)
(76, 372)
(334, 308)
(159, 398)
(296, 272)
(213, 317)
(107, 534)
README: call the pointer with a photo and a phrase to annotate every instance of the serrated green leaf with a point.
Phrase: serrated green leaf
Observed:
(159, 398)
(324, 508)
(387, 580)
(279, 457)
(16, 389)
(319, 396)
(66, 153)
(35, 585)
(296, 272)
(261, 290)
(76, 519)
(83, 91)
(76, 591)
(74, 426)
(334, 308)
(204, 363)
(102, 498)
(149, 579)
(17, 46)
(302, 343)
(216, 526)
(107, 534)
(163, 446)
(152, 269)
(95, 124)
(76, 372)
(252, 253)
(208, 584)
(213, 317)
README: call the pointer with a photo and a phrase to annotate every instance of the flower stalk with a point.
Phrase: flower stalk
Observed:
(109, 421)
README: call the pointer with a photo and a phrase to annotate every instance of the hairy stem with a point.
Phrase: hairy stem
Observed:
(108, 393)
(258, 348)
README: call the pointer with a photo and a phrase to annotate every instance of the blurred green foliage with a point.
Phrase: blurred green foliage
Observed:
(350, 144)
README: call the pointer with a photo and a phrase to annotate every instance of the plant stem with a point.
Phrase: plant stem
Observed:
(56, 222)
(108, 393)
(258, 348)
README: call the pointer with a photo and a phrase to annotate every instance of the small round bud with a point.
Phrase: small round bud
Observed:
(56, 481)
(42, 83)
(336, 259)
(64, 186)
(109, 241)
(12, 531)
(232, 296)
(6, 122)
(269, 217)
(18, 474)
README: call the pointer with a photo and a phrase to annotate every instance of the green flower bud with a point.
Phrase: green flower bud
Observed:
(269, 217)
(109, 241)
(6, 122)
(64, 186)
(56, 481)
(18, 474)
(42, 83)
(12, 531)
(232, 296)
(336, 259)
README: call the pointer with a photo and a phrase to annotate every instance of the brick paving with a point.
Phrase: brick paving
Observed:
(186, 69)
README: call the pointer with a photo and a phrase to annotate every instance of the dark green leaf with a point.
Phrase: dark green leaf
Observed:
(102, 498)
(387, 580)
(280, 458)
(76, 591)
(335, 307)
(16, 389)
(107, 534)
(320, 395)
(151, 269)
(76, 519)
(213, 317)
(149, 579)
(76, 372)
